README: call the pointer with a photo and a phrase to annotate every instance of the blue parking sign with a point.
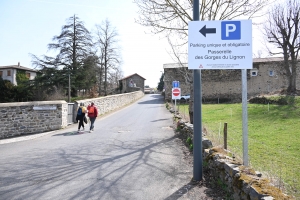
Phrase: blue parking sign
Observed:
(231, 30)
(175, 84)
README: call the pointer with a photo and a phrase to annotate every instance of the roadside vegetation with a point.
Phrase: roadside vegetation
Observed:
(273, 136)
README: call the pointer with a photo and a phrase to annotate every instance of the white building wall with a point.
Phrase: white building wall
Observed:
(13, 75)
(6, 77)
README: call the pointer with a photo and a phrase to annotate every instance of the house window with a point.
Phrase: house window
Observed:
(8, 73)
(1, 73)
(253, 72)
(271, 73)
(28, 75)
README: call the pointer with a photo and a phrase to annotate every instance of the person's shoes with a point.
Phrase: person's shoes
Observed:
(83, 129)
(90, 131)
(78, 130)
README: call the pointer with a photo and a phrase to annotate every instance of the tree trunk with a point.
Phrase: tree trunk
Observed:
(105, 81)
(100, 80)
(292, 80)
(74, 64)
(105, 68)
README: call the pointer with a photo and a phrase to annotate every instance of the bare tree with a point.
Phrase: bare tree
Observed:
(113, 80)
(171, 17)
(109, 58)
(283, 30)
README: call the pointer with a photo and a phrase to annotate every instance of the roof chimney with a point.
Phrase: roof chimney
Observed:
(18, 64)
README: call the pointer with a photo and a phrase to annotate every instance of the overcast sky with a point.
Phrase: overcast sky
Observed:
(27, 26)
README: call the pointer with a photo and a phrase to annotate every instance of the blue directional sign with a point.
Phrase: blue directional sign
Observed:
(220, 44)
(175, 84)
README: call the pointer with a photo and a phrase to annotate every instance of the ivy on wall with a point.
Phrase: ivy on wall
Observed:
(21, 77)
(16, 93)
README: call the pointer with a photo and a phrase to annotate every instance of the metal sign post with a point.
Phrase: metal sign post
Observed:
(175, 107)
(245, 117)
(197, 116)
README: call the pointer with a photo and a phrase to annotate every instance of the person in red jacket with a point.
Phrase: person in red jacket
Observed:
(92, 113)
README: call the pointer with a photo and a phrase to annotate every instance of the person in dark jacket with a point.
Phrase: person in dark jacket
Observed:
(92, 113)
(80, 116)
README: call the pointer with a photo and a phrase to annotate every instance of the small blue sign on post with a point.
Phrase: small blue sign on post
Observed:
(175, 84)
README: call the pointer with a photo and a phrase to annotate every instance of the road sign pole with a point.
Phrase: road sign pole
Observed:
(175, 106)
(245, 117)
(197, 116)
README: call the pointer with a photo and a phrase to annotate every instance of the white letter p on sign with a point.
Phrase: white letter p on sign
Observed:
(230, 28)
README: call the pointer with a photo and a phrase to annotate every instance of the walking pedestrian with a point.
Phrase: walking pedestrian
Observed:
(92, 113)
(80, 116)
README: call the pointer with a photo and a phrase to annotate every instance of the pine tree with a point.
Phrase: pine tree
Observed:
(74, 47)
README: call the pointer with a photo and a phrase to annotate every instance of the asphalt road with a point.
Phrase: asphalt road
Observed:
(132, 154)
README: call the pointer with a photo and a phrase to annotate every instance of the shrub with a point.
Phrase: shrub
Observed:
(188, 140)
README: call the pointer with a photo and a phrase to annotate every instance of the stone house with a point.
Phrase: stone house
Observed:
(132, 83)
(10, 72)
(266, 76)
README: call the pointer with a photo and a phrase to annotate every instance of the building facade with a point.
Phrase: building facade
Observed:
(267, 76)
(132, 83)
(10, 72)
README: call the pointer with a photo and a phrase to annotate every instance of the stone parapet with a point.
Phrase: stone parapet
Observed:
(110, 103)
(24, 118)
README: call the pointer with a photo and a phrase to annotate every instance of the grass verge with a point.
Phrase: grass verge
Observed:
(273, 137)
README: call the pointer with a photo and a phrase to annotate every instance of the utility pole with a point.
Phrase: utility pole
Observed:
(69, 88)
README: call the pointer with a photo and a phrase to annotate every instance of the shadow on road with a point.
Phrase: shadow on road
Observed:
(157, 96)
(181, 192)
(156, 99)
(81, 164)
(93, 170)
(72, 133)
(157, 120)
(152, 101)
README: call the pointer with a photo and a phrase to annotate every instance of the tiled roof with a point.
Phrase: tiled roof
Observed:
(132, 75)
(175, 65)
(270, 59)
(17, 67)
(255, 60)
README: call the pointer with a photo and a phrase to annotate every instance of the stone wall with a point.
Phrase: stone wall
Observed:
(241, 182)
(23, 118)
(110, 103)
(226, 85)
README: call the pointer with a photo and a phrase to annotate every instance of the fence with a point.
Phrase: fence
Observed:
(275, 165)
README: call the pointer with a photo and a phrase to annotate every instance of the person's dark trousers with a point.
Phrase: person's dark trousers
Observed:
(92, 123)
(80, 124)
